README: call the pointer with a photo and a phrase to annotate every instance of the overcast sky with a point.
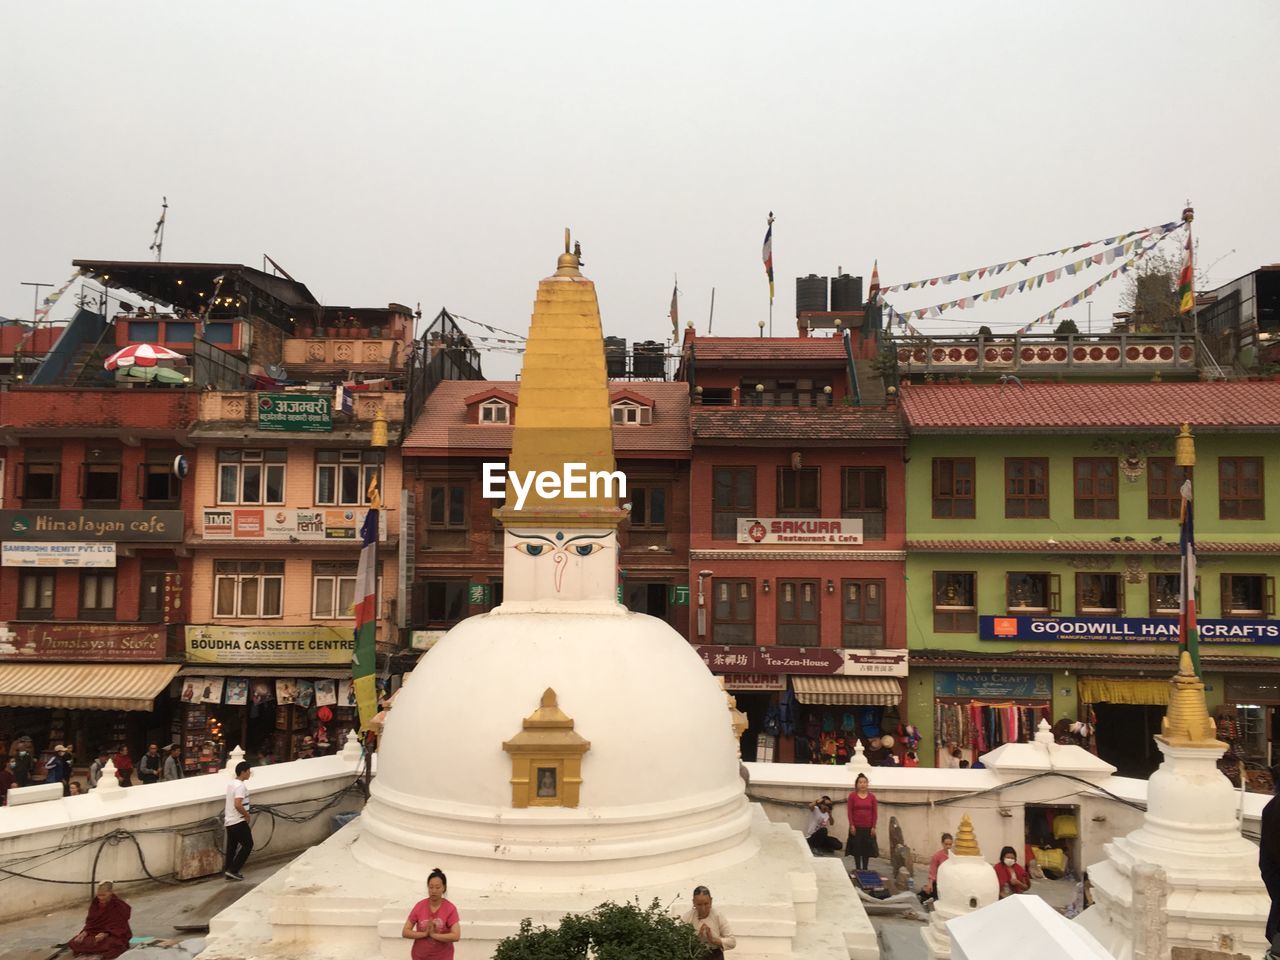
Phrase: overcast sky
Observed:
(433, 153)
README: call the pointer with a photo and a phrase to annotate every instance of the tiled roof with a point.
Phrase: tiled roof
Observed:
(768, 349)
(1050, 545)
(847, 425)
(442, 425)
(1007, 408)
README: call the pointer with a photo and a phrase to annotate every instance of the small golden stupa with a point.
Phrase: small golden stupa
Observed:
(564, 414)
(966, 839)
(1187, 722)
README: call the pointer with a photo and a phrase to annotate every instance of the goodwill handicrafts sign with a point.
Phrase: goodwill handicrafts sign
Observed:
(1125, 629)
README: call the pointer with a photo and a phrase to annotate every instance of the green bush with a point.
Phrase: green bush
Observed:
(616, 931)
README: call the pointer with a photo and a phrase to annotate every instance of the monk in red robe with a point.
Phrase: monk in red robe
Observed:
(106, 930)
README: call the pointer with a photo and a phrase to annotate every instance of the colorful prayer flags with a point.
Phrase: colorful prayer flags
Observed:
(767, 254)
(364, 655)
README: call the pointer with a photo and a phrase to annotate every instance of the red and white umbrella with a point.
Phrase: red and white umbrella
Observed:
(140, 355)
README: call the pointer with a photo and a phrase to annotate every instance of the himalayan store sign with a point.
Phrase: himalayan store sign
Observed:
(115, 526)
(1005, 686)
(305, 412)
(800, 532)
(235, 523)
(265, 645)
(28, 553)
(771, 660)
(81, 641)
(1125, 629)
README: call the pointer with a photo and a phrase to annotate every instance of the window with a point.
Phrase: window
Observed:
(447, 506)
(733, 497)
(1033, 592)
(439, 603)
(35, 595)
(157, 483)
(97, 594)
(733, 611)
(333, 590)
(42, 471)
(495, 411)
(862, 613)
(803, 392)
(1240, 488)
(1164, 477)
(1026, 487)
(1095, 486)
(628, 411)
(863, 497)
(649, 506)
(1099, 595)
(798, 613)
(955, 602)
(953, 488)
(1164, 592)
(100, 479)
(646, 596)
(343, 476)
(798, 492)
(244, 588)
(151, 589)
(251, 476)
(1248, 595)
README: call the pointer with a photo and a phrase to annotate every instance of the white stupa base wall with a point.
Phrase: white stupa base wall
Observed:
(783, 904)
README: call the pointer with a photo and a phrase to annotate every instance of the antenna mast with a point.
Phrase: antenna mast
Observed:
(157, 241)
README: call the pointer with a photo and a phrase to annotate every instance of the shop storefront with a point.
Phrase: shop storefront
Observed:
(281, 693)
(812, 705)
(981, 710)
(1249, 723)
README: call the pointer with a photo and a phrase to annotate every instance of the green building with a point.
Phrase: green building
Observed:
(1043, 561)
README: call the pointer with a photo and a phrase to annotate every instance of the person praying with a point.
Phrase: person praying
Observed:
(106, 932)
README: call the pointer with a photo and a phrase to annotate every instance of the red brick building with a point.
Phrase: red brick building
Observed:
(797, 534)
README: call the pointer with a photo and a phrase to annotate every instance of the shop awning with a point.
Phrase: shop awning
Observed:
(284, 673)
(1129, 690)
(84, 686)
(847, 691)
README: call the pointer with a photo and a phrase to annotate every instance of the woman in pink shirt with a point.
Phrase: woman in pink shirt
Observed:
(862, 822)
(433, 923)
(931, 886)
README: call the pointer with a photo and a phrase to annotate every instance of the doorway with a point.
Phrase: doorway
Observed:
(1125, 737)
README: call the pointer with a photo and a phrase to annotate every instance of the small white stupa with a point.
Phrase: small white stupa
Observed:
(560, 750)
(1186, 877)
(966, 882)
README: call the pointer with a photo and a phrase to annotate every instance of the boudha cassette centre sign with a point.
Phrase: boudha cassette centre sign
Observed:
(800, 531)
(263, 645)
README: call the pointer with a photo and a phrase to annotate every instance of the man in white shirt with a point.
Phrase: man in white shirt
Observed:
(712, 928)
(816, 830)
(236, 819)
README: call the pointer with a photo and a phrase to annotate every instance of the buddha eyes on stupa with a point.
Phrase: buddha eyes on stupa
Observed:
(531, 549)
(587, 549)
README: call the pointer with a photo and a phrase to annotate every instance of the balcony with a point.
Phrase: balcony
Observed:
(1118, 354)
(178, 332)
(344, 353)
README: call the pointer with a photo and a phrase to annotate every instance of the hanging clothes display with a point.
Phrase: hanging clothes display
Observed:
(980, 726)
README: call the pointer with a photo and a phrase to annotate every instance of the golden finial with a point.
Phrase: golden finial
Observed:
(1187, 722)
(1184, 447)
(966, 841)
(567, 265)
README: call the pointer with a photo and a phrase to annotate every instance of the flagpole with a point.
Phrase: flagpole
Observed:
(1188, 630)
(1188, 215)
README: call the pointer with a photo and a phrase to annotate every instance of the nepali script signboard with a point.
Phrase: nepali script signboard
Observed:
(800, 532)
(289, 411)
(1126, 629)
(265, 645)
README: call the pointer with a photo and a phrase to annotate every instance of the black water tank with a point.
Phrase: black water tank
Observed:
(811, 294)
(646, 360)
(846, 293)
(615, 357)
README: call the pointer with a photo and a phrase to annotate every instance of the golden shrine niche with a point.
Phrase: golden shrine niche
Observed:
(546, 758)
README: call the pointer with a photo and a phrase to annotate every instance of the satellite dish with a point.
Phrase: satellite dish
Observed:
(181, 467)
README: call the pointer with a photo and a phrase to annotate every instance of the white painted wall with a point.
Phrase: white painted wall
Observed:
(153, 813)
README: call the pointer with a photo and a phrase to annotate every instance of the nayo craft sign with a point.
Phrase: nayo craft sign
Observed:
(286, 411)
(844, 531)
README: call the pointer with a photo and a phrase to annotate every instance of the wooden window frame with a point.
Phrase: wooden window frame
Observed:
(267, 460)
(331, 575)
(858, 480)
(98, 611)
(853, 630)
(720, 624)
(1052, 590)
(492, 407)
(47, 462)
(1026, 499)
(425, 584)
(1089, 504)
(628, 413)
(1100, 611)
(953, 499)
(1232, 504)
(41, 612)
(811, 627)
(448, 486)
(734, 511)
(1268, 597)
(366, 463)
(649, 585)
(1154, 609)
(159, 463)
(957, 618)
(239, 575)
(641, 493)
(799, 511)
(1164, 497)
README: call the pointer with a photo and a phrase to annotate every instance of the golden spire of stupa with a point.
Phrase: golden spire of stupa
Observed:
(1187, 722)
(563, 414)
(966, 841)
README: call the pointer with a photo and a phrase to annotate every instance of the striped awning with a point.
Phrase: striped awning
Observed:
(84, 686)
(847, 691)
